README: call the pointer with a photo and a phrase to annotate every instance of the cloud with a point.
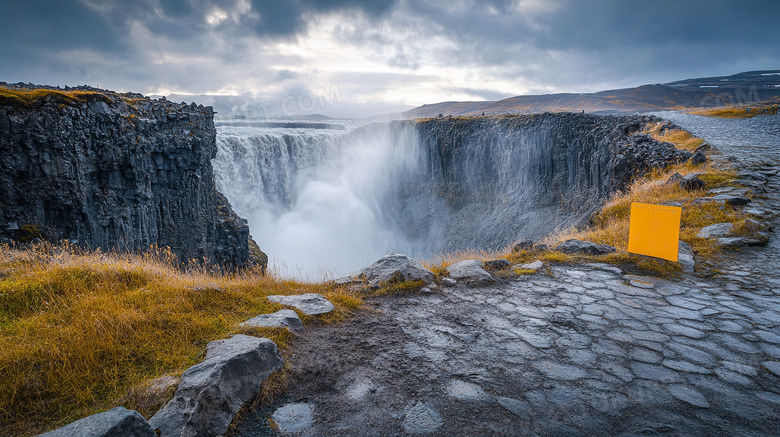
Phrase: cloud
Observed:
(400, 52)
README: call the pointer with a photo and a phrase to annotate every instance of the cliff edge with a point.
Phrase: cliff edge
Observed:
(114, 171)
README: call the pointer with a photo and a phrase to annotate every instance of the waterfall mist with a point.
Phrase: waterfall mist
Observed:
(331, 199)
(314, 198)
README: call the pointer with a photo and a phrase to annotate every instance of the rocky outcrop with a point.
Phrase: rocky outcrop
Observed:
(115, 171)
(211, 393)
(395, 268)
(470, 271)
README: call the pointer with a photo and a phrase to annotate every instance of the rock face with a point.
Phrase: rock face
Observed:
(116, 172)
(393, 268)
(489, 181)
(211, 393)
(115, 422)
(470, 271)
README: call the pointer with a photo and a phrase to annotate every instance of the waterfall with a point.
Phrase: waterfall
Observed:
(325, 200)
(314, 197)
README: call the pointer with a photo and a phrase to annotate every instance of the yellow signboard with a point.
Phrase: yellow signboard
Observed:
(655, 230)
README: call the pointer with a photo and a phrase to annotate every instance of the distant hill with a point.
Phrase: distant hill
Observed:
(742, 88)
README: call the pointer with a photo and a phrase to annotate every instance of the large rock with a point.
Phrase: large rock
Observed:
(211, 393)
(716, 230)
(116, 422)
(395, 268)
(310, 304)
(584, 247)
(470, 271)
(691, 182)
(280, 319)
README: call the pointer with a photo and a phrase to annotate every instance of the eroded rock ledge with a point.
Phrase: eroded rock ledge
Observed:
(115, 171)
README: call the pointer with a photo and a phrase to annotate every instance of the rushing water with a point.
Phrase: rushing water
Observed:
(313, 196)
(730, 136)
(330, 198)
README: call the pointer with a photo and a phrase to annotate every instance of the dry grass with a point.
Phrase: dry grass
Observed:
(738, 111)
(80, 332)
(680, 138)
(27, 98)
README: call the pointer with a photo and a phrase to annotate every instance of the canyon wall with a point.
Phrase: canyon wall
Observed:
(342, 199)
(114, 171)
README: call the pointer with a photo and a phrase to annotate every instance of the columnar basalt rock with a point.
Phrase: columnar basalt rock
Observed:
(489, 181)
(115, 171)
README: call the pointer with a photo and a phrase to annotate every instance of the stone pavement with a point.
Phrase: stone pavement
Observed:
(577, 352)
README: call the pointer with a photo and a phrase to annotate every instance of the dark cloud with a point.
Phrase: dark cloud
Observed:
(54, 24)
(480, 49)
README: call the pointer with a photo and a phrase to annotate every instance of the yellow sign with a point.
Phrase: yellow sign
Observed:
(655, 230)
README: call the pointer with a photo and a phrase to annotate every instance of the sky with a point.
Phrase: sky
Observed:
(361, 58)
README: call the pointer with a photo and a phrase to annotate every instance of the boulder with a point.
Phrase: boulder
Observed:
(448, 282)
(716, 230)
(685, 257)
(699, 157)
(470, 271)
(522, 245)
(674, 179)
(395, 268)
(115, 422)
(584, 247)
(497, 264)
(310, 304)
(212, 392)
(732, 242)
(280, 319)
(691, 182)
(703, 148)
(536, 265)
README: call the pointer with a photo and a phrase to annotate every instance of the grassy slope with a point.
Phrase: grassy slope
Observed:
(78, 332)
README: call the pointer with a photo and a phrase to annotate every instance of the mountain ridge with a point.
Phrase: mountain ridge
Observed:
(741, 88)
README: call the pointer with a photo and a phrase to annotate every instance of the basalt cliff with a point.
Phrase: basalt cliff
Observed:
(116, 172)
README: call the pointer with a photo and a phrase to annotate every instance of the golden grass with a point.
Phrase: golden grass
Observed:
(80, 331)
(611, 225)
(681, 139)
(26, 98)
(738, 111)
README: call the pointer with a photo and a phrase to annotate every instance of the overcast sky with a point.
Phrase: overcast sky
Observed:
(373, 56)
